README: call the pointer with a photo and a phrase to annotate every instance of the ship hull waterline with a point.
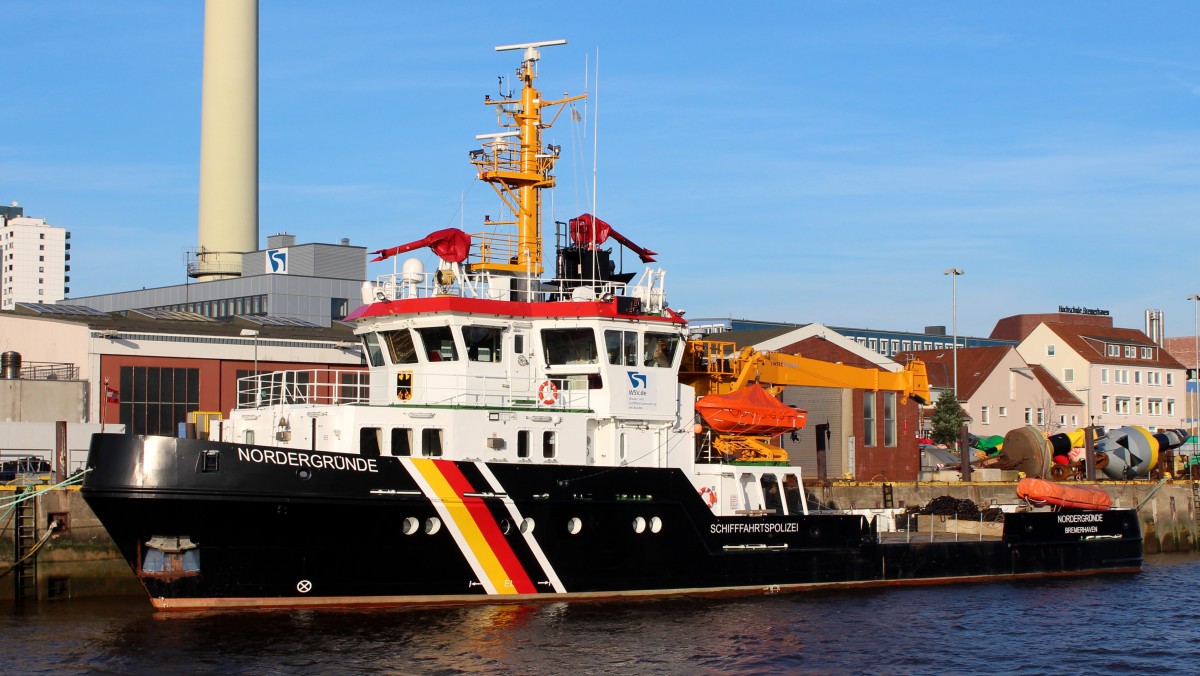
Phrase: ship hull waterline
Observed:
(261, 527)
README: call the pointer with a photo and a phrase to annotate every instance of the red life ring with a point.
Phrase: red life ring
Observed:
(709, 496)
(548, 392)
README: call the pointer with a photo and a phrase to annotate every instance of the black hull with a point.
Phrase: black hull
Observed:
(306, 529)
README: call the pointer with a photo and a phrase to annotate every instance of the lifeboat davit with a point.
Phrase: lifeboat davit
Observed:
(751, 411)
(1042, 492)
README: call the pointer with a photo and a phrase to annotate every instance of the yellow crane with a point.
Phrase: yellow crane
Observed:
(720, 368)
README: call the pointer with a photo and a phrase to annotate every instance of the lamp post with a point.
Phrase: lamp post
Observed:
(1194, 407)
(954, 274)
(254, 334)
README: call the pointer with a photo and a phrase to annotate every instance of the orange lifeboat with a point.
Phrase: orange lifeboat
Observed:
(1042, 492)
(750, 410)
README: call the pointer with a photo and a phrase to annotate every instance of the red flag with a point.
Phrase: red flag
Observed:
(111, 396)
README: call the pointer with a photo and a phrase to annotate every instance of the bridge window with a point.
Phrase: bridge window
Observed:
(772, 502)
(400, 346)
(483, 343)
(621, 347)
(569, 346)
(660, 348)
(401, 441)
(369, 440)
(439, 343)
(431, 442)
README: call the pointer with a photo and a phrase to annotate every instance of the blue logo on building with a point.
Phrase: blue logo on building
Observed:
(638, 379)
(277, 261)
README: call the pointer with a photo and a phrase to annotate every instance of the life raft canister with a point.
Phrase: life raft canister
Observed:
(547, 392)
(709, 496)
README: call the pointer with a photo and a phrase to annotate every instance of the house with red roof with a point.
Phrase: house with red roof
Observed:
(1000, 391)
(1121, 375)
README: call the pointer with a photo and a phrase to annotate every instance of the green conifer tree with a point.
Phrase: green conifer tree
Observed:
(947, 420)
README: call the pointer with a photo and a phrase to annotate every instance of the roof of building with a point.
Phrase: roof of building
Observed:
(975, 364)
(1057, 391)
(1090, 343)
(181, 323)
(1018, 327)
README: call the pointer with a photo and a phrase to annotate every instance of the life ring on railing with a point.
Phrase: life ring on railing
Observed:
(709, 496)
(548, 392)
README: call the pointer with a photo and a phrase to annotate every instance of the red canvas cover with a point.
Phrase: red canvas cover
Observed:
(450, 244)
(1043, 492)
(750, 410)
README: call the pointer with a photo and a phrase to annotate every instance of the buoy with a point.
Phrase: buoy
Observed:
(548, 392)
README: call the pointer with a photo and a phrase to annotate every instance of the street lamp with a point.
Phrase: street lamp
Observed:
(954, 275)
(254, 333)
(1194, 407)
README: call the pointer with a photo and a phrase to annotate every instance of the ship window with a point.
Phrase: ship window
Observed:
(621, 450)
(548, 450)
(772, 502)
(371, 341)
(523, 444)
(791, 494)
(400, 346)
(431, 442)
(519, 343)
(439, 343)
(401, 441)
(569, 346)
(369, 439)
(659, 349)
(621, 347)
(483, 343)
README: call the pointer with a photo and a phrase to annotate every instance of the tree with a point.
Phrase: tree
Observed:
(947, 419)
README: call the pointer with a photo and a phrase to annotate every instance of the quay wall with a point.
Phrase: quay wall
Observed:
(83, 561)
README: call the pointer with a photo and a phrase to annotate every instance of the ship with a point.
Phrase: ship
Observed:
(518, 436)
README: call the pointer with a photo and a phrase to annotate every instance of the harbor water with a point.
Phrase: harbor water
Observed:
(1144, 623)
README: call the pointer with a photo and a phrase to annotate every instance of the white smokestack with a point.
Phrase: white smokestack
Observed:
(228, 138)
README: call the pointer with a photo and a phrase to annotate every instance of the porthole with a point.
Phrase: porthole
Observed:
(303, 474)
(639, 525)
(432, 525)
(410, 525)
(527, 525)
(655, 524)
(814, 532)
(505, 526)
(574, 525)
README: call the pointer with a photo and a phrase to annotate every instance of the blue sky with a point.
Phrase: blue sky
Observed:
(791, 161)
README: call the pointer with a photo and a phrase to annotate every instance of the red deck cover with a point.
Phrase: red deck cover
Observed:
(1042, 492)
(750, 410)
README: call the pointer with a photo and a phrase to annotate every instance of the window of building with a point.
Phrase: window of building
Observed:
(985, 415)
(1068, 375)
(1002, 411)
(895, 347)
(868, 418)
(873, 343)
(889, 419)
(1154, 407)
(1104, 404)
(1050, 350)
(154, 400)
(1137, 377)
(1041, 416)
(339, 308)
(1114, 350)
(1137, 405)
(1074, 420)
(1123, 405)
(1130, 351)
(906, 345)
(1029, 416)
(1170, 407)
(1170, 379)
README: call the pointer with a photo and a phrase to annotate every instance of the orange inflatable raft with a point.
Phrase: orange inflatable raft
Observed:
(1042, 492)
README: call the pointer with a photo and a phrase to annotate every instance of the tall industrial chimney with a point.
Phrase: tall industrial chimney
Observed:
(228, 139)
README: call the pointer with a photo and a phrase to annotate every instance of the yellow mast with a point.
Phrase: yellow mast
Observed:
(518, 168)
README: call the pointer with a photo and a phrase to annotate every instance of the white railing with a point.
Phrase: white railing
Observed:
(337, 386)
(455, 282)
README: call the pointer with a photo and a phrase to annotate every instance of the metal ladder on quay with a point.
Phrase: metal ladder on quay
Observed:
(24, 542)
